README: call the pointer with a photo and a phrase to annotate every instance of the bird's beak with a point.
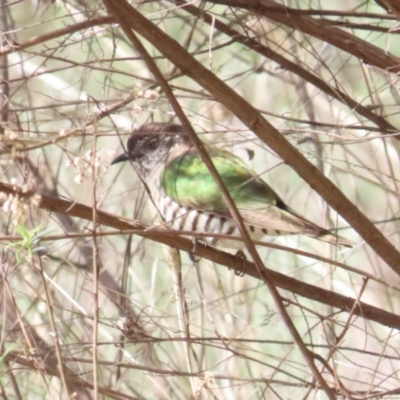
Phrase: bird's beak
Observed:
(120, 158)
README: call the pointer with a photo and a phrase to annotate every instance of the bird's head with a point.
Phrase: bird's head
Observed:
(150, 145)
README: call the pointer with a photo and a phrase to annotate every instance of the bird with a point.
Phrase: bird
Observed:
(188, 199)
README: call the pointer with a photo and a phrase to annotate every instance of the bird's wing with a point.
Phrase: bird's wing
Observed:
(281, 220)
(187, 180)
(288, 221)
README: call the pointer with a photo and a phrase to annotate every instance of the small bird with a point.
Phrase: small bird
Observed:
(186, 196)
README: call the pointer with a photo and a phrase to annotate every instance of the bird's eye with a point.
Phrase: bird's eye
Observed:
(151, 144)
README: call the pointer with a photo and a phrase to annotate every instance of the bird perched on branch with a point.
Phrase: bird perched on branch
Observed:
(185, 194)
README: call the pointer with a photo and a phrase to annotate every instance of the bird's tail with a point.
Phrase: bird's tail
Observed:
(316, 232)
(331, 238)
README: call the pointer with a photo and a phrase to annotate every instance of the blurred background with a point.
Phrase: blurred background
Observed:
(151, 326)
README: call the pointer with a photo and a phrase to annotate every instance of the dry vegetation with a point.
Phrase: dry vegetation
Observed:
(94, 301)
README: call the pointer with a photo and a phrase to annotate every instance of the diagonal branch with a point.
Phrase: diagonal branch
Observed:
(288, 65)
(367, 52)
(170, 238)
(268, 134)
(117, 8)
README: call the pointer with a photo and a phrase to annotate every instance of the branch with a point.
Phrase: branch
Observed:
(118, 11)
(367, 52)
(288, 65)
(169, 237)
(266, 132)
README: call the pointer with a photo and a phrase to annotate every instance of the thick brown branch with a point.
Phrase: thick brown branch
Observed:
(266, 132)
(263, 272)
(168, 237)
(393, 6)
(288, 65)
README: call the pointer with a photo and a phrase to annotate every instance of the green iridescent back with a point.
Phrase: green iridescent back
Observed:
(187, 180)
